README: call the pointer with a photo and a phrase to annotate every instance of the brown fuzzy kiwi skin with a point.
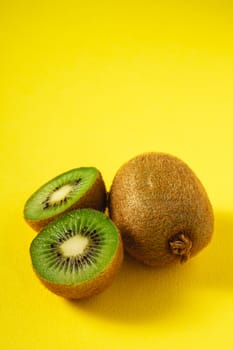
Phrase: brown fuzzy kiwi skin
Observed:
(93, 286)
(161, 209)
(95, 198)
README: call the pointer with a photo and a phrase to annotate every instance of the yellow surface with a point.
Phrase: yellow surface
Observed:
(96, 83)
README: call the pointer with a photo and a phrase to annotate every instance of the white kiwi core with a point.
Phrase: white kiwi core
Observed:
(60, 194)
(74, 246)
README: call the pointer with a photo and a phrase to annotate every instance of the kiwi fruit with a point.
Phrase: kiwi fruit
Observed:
(77, 188)
(78, 254)
(161, 209)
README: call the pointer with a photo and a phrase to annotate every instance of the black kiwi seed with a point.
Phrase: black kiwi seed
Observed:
(46, 205)
(68, 233)
(76, 182)
(84, 229)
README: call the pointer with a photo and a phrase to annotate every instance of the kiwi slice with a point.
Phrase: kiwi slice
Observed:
(78, 254)
(78, 188)
(161, 209)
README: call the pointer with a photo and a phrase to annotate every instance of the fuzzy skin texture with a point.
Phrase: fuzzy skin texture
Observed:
(91, 287)
(95, 198)
(159, 205)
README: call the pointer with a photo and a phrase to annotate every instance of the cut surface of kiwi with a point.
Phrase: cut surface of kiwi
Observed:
(161, 209)
(78, 254)
(77, 188)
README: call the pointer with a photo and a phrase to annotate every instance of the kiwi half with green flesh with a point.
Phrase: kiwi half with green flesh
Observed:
(78, 254)
(161, 209)
(78, 188)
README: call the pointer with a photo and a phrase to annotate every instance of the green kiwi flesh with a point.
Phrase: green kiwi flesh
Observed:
(78, 254)
(161, 209)
(78, 188)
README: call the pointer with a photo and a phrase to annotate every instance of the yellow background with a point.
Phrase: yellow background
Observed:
(96, 83)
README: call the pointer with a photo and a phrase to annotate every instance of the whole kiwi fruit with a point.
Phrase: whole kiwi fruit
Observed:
(161, 209)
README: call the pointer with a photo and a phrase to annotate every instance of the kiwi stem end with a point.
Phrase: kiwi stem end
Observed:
(181, 245)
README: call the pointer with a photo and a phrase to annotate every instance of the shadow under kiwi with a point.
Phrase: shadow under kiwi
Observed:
(140, 293)
(215, 267)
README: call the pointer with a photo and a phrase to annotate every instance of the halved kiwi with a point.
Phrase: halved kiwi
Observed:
(78, 254)
(78, 188)
(161, 209)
